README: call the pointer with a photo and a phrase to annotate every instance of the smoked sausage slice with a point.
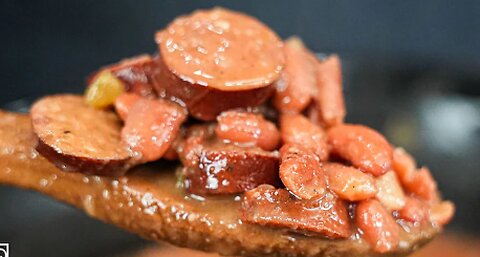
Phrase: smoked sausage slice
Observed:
(325, 215)
(77, 137)
(214, 60)
(212, 167)
(134, 72)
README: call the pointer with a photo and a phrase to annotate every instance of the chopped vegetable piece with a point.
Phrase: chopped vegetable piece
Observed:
(104, 89)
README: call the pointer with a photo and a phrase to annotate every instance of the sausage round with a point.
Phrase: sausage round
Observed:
(77, 137)
(216, 60)
(212, 167)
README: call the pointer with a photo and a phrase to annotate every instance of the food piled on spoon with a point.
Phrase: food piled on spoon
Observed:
(250, 116)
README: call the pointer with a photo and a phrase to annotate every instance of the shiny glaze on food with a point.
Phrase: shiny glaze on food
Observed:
(148, 202)
(222, 49)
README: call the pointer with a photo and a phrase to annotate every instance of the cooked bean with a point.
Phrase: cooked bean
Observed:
(349, 183)
(247, 128)
(124, 103)
(297, 82)
(390, 192)
(214, 168)
(364, 147)
(378, 226)
(151, 127)
(103, 90)
(297, 129)
(329, 100)
(403, 164)
(267, 206)
(441, 213)
(301, 172)
(423, 185)
(415, 210)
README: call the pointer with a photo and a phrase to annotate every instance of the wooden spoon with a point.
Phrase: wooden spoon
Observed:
(147, 202)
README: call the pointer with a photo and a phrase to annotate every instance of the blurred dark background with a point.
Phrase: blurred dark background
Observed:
(411, 70)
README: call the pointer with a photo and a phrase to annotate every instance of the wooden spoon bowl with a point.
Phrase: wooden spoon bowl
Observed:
(148, 202)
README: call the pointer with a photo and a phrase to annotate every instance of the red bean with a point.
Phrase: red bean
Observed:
(301, 172)
(364, 147)
(349, 183)
(414, 210)
(423, 185)
(404, 165)
(378, 226)
(247, 128)
(442, 213)
(297, 129)
(267, 206)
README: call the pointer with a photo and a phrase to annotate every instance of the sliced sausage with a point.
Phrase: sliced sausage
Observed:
(151, 126)
(77, 137)
(301, 171)
(349, 183)
(212, 167)
(214, 60)
(297, 82)
(441, 213)
(297, 129)
(247, 129)
(364, 147)
(134, 72)
(329, 104)
(378, 226)
(325, 215)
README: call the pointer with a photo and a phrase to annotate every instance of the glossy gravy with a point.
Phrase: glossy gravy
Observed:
(148, 202)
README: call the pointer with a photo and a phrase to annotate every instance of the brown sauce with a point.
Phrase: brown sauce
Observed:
(147, 201)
